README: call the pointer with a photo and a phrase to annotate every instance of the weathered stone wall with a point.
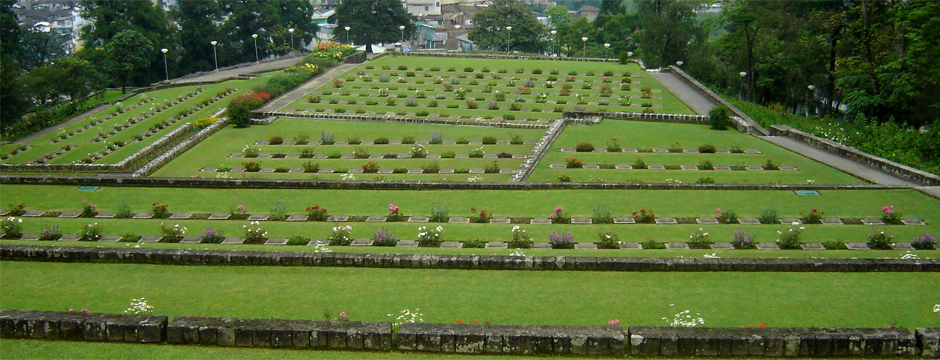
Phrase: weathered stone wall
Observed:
(851, 153)
(79, 326)
(400, 119)
(772, 342)
(279, 333)
(465, 262)
(744, 123)
(511, 339)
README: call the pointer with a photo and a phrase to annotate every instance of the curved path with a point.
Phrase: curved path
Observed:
(701, 104)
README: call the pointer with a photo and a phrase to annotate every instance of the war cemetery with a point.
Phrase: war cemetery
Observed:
(474, 204)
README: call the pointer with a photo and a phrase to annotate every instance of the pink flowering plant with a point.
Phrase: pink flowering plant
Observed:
(890, 216)
(212, 236)
(726, 216)
(89, 209)
(394, 213)
(341, 236)
(559, 217)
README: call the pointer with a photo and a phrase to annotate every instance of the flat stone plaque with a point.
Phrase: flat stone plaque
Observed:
(660, 150)
(180, 216)
(266, 170)
(233, 240)
(541, 221)
(208, 169)
(677, 245)
(631, 150)
(630, 245)
(446, 171)
(319, 156)
(362, 242)
(461, 156)
(104, 214)
(857, 246)
(110, 238)
(707, 221)
(220, 216)
(581, 220)
(913, 221)
(791, 221)
(434, 156)
(623, 167)
(418, 219)
(722, 151)
(476, 171)
(190, 240)
(459, 220)
(788, 168)
(394, 142)
(69, 214)
(29, 237)
(722, 246)
(592, 166)
(872, 221)
(752, 151)
(376, 218)
(585, 246)
(657, 167)
(768, 246)
(325, 171)
(237, 169)
(70, 237)
(499, 220)
(315, 242)
(143, 215)
(407, 243)
(690, 150)
(902, 246)
(624, 220)
(813, 246)
(354, 171)
(33, 213)
(665, 220)
(237, 156)
(496, 245)
(337, 218)
(150, 239)
(722, 168)
(385, 171)
(449, 142)
(754, 168)
(689, 167)
(297, 217)
(476, 142)
(567, 149)
(557, 166)
(832, 221)
(490, 156)
(748, 221)
(415, 171)
(451, 245)
(541, 245)
(258, 217)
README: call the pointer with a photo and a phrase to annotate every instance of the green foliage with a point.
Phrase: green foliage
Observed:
(373, 22)
(127, 51)
(526, 34)
(719, 118)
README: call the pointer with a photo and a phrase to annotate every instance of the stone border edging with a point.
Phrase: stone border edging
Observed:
(473, 338)
(887, 166)
(751, 126)
(181, 147)
(400, 119)
(464, 262)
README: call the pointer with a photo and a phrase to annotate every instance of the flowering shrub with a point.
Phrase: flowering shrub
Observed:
(407, 316)
(173, 234)
(238, 211)
(742, 241)
(601, 214)
(889, 216)
(477, 153)
(491, 168)
(584, 147)
(685, 319)
(88, 209)
(700, 240)
(726, 217)
(644, 217)
(92, 232)
(394, 213)
(812, 217)
(613, 146)
(880, 241)
(160, 211)
(608, 240)
(139, 307)
(771, 165)
(430, 237)
(11, 227)
(250, 151)
(768, 215)
(559, 217)
(439, 213)
(564, 178)
(254, 233)
(573, 163)
(340, 236)
(520, 239)
(639, 164)
(252, 166)
(419, 152)
(52, 233)
(16, 210)
(370, 168)
(705, 164)
(925, 242)
(432, 168)
(558, 241)
(211, 236)
(327, 138)
(790, 240)
(383, 237)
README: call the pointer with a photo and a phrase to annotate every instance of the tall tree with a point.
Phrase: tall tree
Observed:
(490, 27)
(127, 51)
(11, 102)
(373, 21)
(197, 27)
(109, 17)
(38, 47)
(667, 27)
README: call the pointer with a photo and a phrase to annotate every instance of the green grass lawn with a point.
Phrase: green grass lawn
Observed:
(501, 297)
(215, 150)
(649, 135)
(677, 203)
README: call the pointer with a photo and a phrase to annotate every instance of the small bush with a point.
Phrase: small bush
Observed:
(439, 213)
(584, 147)
(812, 217)
(700, 240)
(925, 242)
(573, 163)
(740, 240)
(705, 180)
(380, 141)
(880, 241)
(310, 167)
(608, 240)
(769, 215)
(719, 118)
(726, 217)
(298, 240)
(564, 178)
(275, 140)
(520, 239)
(707, 148)
(558, 241)
(383, 237)
(834, 245)
(489, 140)
(790, 239)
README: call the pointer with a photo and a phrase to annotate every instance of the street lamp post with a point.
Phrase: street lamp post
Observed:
(215, 55)
(347, 35)
(679, 63)
(606, 51)
(553, 41)
(584, 40)
(291, 31)
(812, 99)
(402, 28)
(743, 75)
(165, 68)
(508, 39)
(254, 37)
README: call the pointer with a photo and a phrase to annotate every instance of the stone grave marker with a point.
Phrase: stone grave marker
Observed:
(150, 239)
(337, 218)
(219, 216)
(752, 151)
(690, 150)
(446, 171)
(385, 171)
(902, 246)
(660, 150)
(459, 220)
(143, 215)
(376, 218)
(415, 171)
(913, 221)
(768, 246)
(258, 217)
(813, 246)
(233, 240)
(354, 171)
(180, 216)
(857, 246)
(325, 171)
(496, 245)
(631, 150)
(69, 214)
(541, 221)
(29, 236)
(657, 167)
(191, 240)
(666, 220)
(557, 166)
(592, 166)
(451, 245)
(623, 167)
(406, 243)
(832, 221)
(297, 217)
(722, 168)
(418, 219)
(722, 151)
(541, 245)
(872, 221)
(583, 245)
(630, 245)
(33, 213)
(677, 245)
(110, 238)
(499, 220)
(476, 171)
(748, 221)
(708, 220)
(791, 221)
(689, 167)
(362, 242)
(788, 168)
(722, 246)
(581, 220)
(754, 168)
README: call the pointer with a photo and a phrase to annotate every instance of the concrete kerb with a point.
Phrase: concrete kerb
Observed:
(752, 126)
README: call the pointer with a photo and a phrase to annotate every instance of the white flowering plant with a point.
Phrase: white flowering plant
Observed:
(139, 307)
(254, 232)
(790, 239)
(430, 236)
(685, 319)
(407, 316)
(173, 233)
(700, 240)
(340, 236)
(12, 227)
(520, 238)
(92, 232)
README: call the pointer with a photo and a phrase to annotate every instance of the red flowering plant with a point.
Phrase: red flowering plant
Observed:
(482, 218)
(644, 217)
(812, 217)
(316, 213)
(16, 210)
(573, 163)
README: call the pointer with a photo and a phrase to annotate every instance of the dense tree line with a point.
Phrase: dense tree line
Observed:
(122, 46)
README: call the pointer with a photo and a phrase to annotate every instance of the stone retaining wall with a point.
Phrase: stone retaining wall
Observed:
(773, 342)
(511, 339)
(400, 119)
(506, 56)
(181, 147)
(851, 153)
(651, 117)
(744, 123)
(279, 333)
(464, 262)
(79, 326)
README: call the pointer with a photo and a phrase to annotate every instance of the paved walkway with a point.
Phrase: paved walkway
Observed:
(685, 92)
(234, 72)
(307, 87)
